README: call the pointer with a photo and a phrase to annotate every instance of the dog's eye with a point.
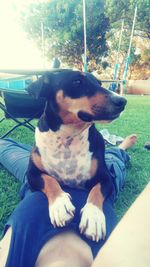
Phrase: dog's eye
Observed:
(77, 82)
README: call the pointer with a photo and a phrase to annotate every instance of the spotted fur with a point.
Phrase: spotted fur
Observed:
(66, 158)
(68, 148)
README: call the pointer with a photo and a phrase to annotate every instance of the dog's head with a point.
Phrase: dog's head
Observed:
(77, 96)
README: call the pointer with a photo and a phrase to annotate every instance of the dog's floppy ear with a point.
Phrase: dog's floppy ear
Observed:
(41, 87)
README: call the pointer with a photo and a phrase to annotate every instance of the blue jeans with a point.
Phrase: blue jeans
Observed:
(31, 226)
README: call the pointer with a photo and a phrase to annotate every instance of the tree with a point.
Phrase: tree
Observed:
(118, 10)
(124, 10)
(63, 28)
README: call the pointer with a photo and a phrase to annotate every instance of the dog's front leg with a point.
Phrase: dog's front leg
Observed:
(61, 210)
(92, 223)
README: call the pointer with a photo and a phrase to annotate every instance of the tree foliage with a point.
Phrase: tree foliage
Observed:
(118, 10)
(63, 28)
(62, 22)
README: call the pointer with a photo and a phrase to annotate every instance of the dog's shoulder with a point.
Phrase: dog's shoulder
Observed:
(35, 161)
(97, 144)
(35, 167)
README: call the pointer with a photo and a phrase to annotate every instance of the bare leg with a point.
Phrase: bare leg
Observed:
(65, 250)
(128, 142)
(4, 247)
(129, 243)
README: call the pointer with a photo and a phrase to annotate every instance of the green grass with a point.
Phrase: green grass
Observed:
(135, 119)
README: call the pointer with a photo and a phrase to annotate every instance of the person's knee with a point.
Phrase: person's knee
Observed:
(75, 253)
(4, 247)
(33, 211)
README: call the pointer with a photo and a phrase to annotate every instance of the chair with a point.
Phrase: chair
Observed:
(17, 105)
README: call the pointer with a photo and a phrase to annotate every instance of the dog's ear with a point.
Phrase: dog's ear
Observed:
(41, 87)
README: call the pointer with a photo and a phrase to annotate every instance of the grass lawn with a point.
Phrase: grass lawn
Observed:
(135, 119)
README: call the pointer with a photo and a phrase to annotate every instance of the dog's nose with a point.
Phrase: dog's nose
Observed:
(119, 100)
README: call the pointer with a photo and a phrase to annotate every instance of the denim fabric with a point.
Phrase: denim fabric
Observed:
(116, 160)
(14, 157)
(30, 229)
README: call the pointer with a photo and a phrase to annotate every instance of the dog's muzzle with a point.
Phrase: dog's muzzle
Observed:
(111, 110)
(118, 101)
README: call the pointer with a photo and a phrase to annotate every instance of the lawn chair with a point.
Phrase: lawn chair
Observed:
(17, 105)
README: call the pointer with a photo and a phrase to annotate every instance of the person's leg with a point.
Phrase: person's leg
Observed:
(116, 159)
(109, 213)
(62, 250)
(65, 250)
(128, 142)
(14, 157)
(4, 247)
(129, 243)
(31, 230)
(84, 251)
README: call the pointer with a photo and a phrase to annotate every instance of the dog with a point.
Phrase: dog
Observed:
(68, 148)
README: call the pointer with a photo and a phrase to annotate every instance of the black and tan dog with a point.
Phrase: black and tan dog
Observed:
(68, 148)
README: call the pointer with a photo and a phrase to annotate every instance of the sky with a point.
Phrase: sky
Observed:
(16, 51)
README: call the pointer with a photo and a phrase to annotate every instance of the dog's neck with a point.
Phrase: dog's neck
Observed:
(71, 131)
(66, 133)
(69, 125)
(65, 154)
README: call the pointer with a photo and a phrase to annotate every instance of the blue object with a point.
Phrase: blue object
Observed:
(31, 230)
(15, 84)
(116, 70)
(127, 63)
(113, 87)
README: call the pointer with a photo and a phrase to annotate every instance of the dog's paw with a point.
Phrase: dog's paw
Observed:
(62, 210)
(92, 223)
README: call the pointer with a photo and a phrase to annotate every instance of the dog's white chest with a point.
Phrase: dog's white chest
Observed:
(66, 159)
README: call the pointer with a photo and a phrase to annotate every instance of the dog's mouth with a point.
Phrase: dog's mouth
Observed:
(86, 117)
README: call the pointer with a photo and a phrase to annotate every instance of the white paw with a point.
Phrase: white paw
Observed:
(92, 223)
(61, 211)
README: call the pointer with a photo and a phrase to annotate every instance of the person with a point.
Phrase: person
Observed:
(29, 239)
(129, 243)
(56, 63)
